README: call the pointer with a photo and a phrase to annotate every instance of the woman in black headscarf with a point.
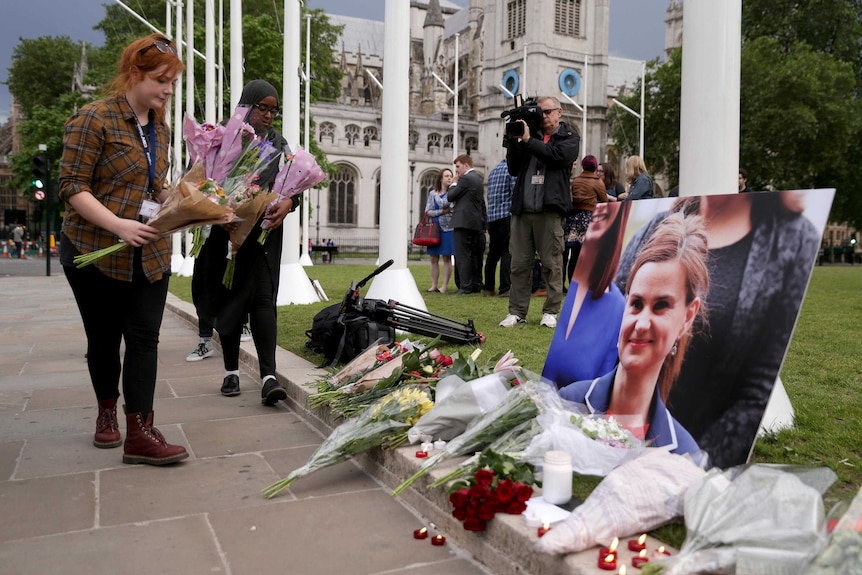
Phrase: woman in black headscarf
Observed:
(255, 283)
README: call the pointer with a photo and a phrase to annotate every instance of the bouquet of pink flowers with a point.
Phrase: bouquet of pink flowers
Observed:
(299, 173)
(233, 156)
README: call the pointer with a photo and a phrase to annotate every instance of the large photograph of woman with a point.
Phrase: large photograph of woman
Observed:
(761, 250)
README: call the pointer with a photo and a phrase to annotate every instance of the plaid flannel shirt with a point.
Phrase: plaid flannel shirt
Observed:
(103, 155)
(500, 186)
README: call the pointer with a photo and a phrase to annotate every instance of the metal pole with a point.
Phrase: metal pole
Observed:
(178, 95)
(190, 64)
(524, 67)
(584, 120)
(643, 86)
(209, 76)
(236, 72)
(455, 139)
(220, 83)
(304, 258)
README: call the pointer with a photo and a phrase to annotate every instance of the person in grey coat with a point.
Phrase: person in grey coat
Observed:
(468, 220)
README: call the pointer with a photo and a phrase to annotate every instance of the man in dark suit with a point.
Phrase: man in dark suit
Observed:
(468, 219)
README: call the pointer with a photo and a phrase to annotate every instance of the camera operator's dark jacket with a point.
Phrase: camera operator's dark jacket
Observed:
(556, 156)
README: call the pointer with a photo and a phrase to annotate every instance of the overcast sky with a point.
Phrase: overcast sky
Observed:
(637, 26)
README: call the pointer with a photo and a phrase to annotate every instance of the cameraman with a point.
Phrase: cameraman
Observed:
(542, 164)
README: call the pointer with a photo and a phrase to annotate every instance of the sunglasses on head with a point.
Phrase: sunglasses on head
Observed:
(163, 46)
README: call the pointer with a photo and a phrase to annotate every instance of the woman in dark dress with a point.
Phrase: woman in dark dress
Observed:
(256, 277)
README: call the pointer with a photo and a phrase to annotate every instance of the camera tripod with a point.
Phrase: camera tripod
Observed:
(407, 318)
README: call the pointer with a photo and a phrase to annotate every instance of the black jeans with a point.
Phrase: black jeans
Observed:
(113, 311)
(498, 251)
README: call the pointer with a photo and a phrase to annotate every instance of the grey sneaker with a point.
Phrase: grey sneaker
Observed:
(511, 321)
(202, 351)
(246, 333)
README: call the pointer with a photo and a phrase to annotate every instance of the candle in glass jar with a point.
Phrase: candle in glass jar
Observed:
(638, 544)
(640, 559)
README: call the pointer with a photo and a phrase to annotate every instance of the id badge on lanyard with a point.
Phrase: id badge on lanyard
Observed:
(149, 207)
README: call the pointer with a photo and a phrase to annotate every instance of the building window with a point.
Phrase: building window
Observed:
(326, 131)
(433, 142)
(567, 17)
(447, 141)
(414, 139)
(351, 133)
(471, 143)
(342, 196)
(369, 134)
(426, 184)
(516, 18)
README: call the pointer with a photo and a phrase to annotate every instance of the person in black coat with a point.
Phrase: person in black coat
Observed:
(256, 277)
(468, 219)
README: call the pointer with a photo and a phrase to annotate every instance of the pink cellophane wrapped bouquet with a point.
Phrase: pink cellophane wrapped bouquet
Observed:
(299, 173)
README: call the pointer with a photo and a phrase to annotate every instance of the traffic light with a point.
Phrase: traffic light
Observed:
(41, 174)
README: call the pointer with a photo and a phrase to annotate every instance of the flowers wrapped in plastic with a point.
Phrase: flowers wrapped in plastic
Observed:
(597, 444)
(639, 495)
(522, 403)
(752, 519)
(187, 205)
(398, 409)
(299, 173)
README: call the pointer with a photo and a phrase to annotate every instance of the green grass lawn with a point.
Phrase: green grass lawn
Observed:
(822, 372)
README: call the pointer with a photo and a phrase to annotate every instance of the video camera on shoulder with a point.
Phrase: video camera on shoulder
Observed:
(527, 110)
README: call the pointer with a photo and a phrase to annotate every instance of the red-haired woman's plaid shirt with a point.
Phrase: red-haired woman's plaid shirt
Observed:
(103, 155)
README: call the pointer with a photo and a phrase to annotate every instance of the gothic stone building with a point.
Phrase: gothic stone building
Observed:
(502, 47)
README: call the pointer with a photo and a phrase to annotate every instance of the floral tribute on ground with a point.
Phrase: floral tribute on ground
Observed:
(501, 485)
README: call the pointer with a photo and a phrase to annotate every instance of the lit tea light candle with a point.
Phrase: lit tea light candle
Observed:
(638, 544)
(420, 533)
(544, 529)
(608, 562)
(622, 570)
(438, 540)
(640, 559)
(421, 454)
(611, 549)
(661, 552)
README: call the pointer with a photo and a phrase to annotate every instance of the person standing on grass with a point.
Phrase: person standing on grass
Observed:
(542, 164)
(439, 207)
(469, 222)
(500, 186)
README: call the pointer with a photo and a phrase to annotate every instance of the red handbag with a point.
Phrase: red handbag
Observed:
(427, 232)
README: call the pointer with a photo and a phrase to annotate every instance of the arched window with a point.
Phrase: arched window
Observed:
(342, 196)
(426, 184)
(433, 142)
(351, 133)
(369, 134)
(326, 131)
(447, 141)
(414, 139)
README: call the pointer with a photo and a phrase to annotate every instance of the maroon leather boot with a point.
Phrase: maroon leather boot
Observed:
(107, 426)
(145, 444)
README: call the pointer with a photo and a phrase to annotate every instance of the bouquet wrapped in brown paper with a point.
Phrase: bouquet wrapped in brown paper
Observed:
(191, 203)
(248, 206)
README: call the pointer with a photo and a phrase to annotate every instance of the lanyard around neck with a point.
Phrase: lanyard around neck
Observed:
(149, 151)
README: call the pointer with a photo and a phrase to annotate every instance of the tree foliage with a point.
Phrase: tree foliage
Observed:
(800, 102)
(40, 77)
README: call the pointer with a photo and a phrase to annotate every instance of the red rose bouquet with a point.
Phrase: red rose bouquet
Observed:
(501, 485)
